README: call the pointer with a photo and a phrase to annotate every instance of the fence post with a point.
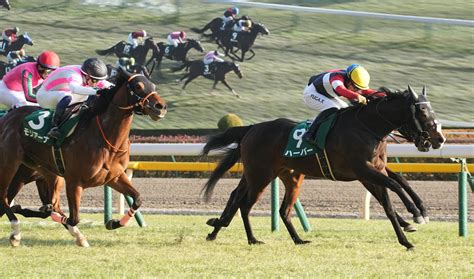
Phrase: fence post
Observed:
(107, 204)
(275, 200)
(302, 216)
(462, 199)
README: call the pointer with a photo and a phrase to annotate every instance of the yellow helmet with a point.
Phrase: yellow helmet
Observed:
(358, 76)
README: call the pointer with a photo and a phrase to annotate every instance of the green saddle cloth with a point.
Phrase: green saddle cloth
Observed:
(2, 112)
(297, 147)
(37, 125)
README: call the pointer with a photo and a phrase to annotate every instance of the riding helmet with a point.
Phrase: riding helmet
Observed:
(16, 30)
(235, 10)
(359, 76)
(94, 68)
(49, 60)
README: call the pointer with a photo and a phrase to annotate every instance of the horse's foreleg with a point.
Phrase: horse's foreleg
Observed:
(229, 211)
(230, 88)
(123, 185)
(367, 173)
(251, 56)
(292, 182)
(73, 193)
(190, 78)
(416, 199)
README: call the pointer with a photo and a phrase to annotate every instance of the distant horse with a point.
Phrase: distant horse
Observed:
(197, 68)
(5, 67)
(217, 28)
(5, 4)
(97, 153)
(123, 49)
(179, 53)
(355, 147)
(242, 41)
(22, 40)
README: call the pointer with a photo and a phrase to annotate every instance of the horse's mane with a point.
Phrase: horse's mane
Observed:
(99, 104)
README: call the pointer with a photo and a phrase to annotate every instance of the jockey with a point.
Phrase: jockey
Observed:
(229, 16)
(10, 34)
(324, 92)
(16, 88)
(175, 38)
(71, 84)
(15, 56)
(209, 58)
(243, 25)
(136, 38)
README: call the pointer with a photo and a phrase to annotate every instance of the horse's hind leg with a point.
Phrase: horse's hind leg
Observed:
(257, 178)
(8, 172)
(229, 211)
(292, 183)
(416, 199)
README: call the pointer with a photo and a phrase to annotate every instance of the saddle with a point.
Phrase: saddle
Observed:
(209, 69)
(37, 124)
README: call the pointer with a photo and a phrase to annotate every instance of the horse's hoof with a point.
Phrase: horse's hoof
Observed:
(410, 228)
(47, 208)
(302, 242)
(210, 237)
(112, 224)
(427, 219)
(411, 249)
(419, 220)
(212, 222)
(15, 240)
(82, 242)
(15, 208)
(257, 242)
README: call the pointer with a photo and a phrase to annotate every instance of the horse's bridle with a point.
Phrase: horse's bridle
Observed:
(141, 101)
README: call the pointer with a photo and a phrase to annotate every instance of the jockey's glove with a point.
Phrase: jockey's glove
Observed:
(361, 99)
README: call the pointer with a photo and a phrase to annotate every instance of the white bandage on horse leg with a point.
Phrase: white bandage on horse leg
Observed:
(126, 218)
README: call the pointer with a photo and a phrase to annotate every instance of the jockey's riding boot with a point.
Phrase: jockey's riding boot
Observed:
(55, 133)
(310, 134)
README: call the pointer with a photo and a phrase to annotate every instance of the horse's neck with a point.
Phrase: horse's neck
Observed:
(116, 122)
(383, 117)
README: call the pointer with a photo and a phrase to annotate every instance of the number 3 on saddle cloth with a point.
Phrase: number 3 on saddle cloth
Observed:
(297, 147)
(37, 124)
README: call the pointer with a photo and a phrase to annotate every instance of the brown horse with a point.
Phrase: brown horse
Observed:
(355, 147)
(97, 153)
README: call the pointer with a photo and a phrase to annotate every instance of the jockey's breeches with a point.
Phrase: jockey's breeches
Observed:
(11, 98)
(320, 102)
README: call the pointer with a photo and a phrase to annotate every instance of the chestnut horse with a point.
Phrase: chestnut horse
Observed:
(97, 153)
(355, 147)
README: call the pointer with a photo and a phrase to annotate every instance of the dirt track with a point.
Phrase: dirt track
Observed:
(319, 198)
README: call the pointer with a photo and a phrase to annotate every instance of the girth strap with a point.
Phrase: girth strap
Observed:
(324, 164)
(58, 160)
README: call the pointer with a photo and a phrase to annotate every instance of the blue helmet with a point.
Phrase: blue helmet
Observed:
(235, 10)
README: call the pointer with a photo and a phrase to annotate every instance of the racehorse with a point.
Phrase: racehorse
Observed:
(355, 147)
(97, 153)
(123, 49)
(216, 26)
(177, 54)
(23, 39)
(5, 4)
(5, 67)
(197, 68)
(242, 41)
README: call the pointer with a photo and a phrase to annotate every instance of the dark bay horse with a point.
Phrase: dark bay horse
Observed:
(5, 4)
(23, 39)
(5, 67)
(123, 49)
(355, 147)
(197, 68)
(233, 42)
(97, 153)
(216, 26)
(179, 53)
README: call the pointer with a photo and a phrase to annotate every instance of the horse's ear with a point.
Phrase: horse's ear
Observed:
(423, 91)
(123, 72)
(412, 92)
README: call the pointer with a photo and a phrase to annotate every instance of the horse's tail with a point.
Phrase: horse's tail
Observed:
(105, 51)
(232, 155)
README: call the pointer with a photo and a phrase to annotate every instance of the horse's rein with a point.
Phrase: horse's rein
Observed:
(142, 100)
(114, 148)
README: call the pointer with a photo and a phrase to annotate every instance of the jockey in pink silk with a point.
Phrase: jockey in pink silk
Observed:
(71, 84)
(16, 88)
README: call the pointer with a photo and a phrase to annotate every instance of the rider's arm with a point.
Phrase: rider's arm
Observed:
(104, 84)
(337, 83)
(27, 84)
(81, 90)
